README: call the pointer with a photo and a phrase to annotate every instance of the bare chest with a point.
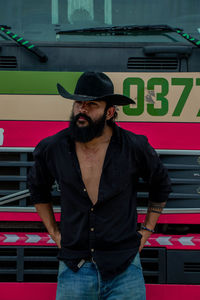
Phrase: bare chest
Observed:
(91, 165)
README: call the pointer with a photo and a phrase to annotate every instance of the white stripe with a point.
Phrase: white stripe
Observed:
(11, 238)
(33, 238)
(164, 240)
(50, 241)
(186, 241)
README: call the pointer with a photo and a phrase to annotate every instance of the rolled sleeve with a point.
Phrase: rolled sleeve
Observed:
(155, 174)
(39, 178)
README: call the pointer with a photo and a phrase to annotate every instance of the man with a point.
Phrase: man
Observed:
(97, 166)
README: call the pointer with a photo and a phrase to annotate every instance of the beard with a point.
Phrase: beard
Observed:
(87, 133)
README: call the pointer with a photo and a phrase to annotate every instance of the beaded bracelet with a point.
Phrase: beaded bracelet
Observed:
(145, 228)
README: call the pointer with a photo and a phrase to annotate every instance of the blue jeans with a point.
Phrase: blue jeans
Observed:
(87, 284)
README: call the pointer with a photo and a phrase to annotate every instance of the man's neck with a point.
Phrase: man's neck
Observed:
(95, 143)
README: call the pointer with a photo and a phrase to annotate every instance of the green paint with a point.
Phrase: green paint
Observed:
(198, 43)
(14, 36)
(128, 82)
(188, 84)
(8, 32)
(198, 83)
(35, 82)
(186, 35)
(19, 39)
(2, 28)
(26, 42)
(30, 46)
(163, 110)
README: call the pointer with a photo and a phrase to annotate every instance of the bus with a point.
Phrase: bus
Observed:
(150, 50)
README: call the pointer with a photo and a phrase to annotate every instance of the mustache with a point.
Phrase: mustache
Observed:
(82, 115)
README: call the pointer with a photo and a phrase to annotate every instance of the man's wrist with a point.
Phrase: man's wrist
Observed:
(146, 228)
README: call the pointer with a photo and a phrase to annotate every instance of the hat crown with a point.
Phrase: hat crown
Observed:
(94, 84)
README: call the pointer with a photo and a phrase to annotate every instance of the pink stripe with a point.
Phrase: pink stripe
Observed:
(23, 216)
(163, 219)
(174, 218)
(172, 292)
(181, 242)
(47, 291)
(179, 136)
(26, 239)
(30, 291)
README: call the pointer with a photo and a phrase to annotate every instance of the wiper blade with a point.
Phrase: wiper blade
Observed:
(119, 29)
(24, 43)
(125, 29)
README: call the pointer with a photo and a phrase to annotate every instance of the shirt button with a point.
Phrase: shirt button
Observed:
(92, 209)
(92, 229)
(84, 190)
(92, 250)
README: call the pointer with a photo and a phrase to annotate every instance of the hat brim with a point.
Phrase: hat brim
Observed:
(113, 99)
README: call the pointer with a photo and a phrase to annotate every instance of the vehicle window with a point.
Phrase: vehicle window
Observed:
(40, 20)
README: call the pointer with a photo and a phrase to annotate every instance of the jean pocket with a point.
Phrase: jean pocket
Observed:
(136, 261)
(62, 267)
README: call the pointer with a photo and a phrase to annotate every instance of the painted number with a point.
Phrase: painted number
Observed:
(161, 97)
(188, 84)
(163, 110)
(136, 111)
(198, 83)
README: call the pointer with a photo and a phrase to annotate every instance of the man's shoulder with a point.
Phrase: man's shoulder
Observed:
(133, 138)
(50, 142)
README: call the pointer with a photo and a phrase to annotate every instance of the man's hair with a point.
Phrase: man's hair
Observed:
(111, 122)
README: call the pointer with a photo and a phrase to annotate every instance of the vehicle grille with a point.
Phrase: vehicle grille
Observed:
(148, 63)
(8, 62)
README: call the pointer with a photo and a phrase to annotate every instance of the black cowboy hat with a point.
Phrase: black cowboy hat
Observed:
(95, 86)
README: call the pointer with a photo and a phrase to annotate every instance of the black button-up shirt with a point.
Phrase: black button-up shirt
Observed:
(105, 231)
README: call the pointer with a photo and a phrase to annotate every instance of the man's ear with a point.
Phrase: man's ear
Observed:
(110, 112)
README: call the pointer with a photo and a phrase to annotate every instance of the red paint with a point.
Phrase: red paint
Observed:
(24, 239)
(174, 218)
(172, 292)
(163, 219)
(179, 136)
(44, 239)
(47, 291)
(30, 291)
(23, 216)
(175, 241)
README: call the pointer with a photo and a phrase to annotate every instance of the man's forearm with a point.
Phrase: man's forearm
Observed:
(153, 213)
(45, 211)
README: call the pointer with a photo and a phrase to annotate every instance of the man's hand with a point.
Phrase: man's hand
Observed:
(57, 238)
(46, 213)
(145, 235)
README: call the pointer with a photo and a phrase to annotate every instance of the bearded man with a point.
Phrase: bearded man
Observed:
(97, 166)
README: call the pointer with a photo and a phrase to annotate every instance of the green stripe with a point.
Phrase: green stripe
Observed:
(30, 46)
(30, 82)
(14, 36)
(26, 42)
(7, 32)
(19, 39)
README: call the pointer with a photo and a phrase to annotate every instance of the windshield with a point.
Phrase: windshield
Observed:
(39, 20)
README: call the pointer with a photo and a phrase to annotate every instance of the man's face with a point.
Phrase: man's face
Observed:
(87, 120)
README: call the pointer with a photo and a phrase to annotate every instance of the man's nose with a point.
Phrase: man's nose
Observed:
(83, 107)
